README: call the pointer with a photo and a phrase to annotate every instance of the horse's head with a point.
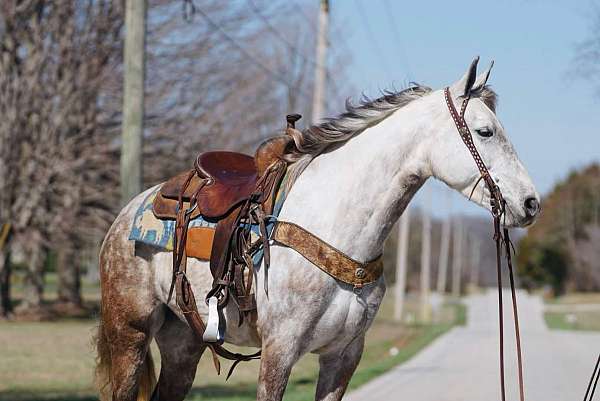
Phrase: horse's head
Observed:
(452, 162)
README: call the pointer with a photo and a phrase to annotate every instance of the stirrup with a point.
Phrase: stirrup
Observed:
(215, 326)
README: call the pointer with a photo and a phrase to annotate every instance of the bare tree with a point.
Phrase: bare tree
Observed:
(51, 66)
(587, 53)
(219, 80)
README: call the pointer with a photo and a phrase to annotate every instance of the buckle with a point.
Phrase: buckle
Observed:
(358, 288)
(191, 209)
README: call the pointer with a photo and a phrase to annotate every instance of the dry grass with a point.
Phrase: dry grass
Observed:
(54, 360)
(577, 298)
(45, 358)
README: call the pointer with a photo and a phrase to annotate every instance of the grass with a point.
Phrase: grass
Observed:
(55, 360)
(89, 291)
(584, 320)
(576, 298)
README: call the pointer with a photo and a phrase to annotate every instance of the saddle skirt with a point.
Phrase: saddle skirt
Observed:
(149, 229)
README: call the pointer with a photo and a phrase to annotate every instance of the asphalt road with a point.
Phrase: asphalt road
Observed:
(463, 364)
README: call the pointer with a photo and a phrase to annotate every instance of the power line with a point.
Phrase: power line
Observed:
(374, 42)
(276, 33)
(399, 40)
(291, 46)
(246, 53)
(304, 15)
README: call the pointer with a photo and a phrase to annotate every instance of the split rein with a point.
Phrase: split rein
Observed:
(501, 237)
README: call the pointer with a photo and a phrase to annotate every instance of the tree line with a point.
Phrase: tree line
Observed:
(561, 249)
(224, 86)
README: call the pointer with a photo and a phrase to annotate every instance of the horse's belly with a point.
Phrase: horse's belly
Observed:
(198, 272)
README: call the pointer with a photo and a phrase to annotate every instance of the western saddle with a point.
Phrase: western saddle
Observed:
(234, 191)
(237, 193)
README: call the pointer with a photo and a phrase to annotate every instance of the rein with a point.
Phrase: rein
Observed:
(501, 237)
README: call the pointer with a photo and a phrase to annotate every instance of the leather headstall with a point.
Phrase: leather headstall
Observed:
(498, 209)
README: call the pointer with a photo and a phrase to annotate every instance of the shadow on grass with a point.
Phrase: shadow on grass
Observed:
(240, 392)
(45, 396)
(298, 389)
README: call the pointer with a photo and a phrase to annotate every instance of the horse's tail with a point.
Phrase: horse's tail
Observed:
(148, 378)
(103, 364)
(103, 370)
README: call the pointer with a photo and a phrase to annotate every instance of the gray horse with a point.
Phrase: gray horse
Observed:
(352, 179)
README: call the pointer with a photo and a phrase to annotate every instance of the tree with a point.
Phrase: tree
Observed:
(559, 249)
(542, 264)
(53, 57)
(587, 53)
(220, 80)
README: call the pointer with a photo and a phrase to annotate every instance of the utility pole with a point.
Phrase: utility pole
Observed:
(475, 259)
(401, 264)
(134, 58)
(444, 250)
(321, 62)
(457, 257)
(425, 309)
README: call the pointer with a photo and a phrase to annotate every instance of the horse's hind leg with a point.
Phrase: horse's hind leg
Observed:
(180, 353)
(131, 315)
(336, 370)
(127, 336)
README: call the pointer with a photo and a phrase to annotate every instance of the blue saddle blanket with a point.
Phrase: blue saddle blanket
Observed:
(148, 229)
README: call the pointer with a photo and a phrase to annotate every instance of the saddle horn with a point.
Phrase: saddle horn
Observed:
(291, 120)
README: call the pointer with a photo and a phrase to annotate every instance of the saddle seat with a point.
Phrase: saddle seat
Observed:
(231, 179)
(228, 168)
(227, 179)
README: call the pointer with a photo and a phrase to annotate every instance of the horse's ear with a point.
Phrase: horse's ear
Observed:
(464, 85)
(482, 78)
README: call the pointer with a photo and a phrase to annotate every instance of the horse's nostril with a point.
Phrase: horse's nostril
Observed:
(532, 206)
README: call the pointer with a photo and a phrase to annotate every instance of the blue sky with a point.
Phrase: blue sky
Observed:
(552, 118)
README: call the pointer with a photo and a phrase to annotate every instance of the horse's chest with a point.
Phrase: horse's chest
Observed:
(348, 316)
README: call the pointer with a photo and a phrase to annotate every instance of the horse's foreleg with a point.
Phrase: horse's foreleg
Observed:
(276, 364)
(180, 352)
(336, 370)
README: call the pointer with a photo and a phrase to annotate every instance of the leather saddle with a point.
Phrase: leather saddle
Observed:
(235, 191)
(220, 180)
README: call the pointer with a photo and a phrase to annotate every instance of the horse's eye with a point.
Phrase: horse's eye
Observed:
(484, 132)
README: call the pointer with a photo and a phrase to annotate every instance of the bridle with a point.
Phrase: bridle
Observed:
(501, 237)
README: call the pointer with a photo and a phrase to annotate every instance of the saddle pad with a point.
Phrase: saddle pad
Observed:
(148, 229)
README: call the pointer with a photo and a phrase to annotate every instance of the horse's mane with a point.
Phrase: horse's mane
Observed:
(333, 132)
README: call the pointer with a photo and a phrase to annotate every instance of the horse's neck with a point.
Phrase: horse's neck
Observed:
(352, 196)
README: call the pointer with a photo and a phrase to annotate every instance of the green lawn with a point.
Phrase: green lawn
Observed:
(571, 318)
(586, 321)
(54, 360)
(90, 291)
